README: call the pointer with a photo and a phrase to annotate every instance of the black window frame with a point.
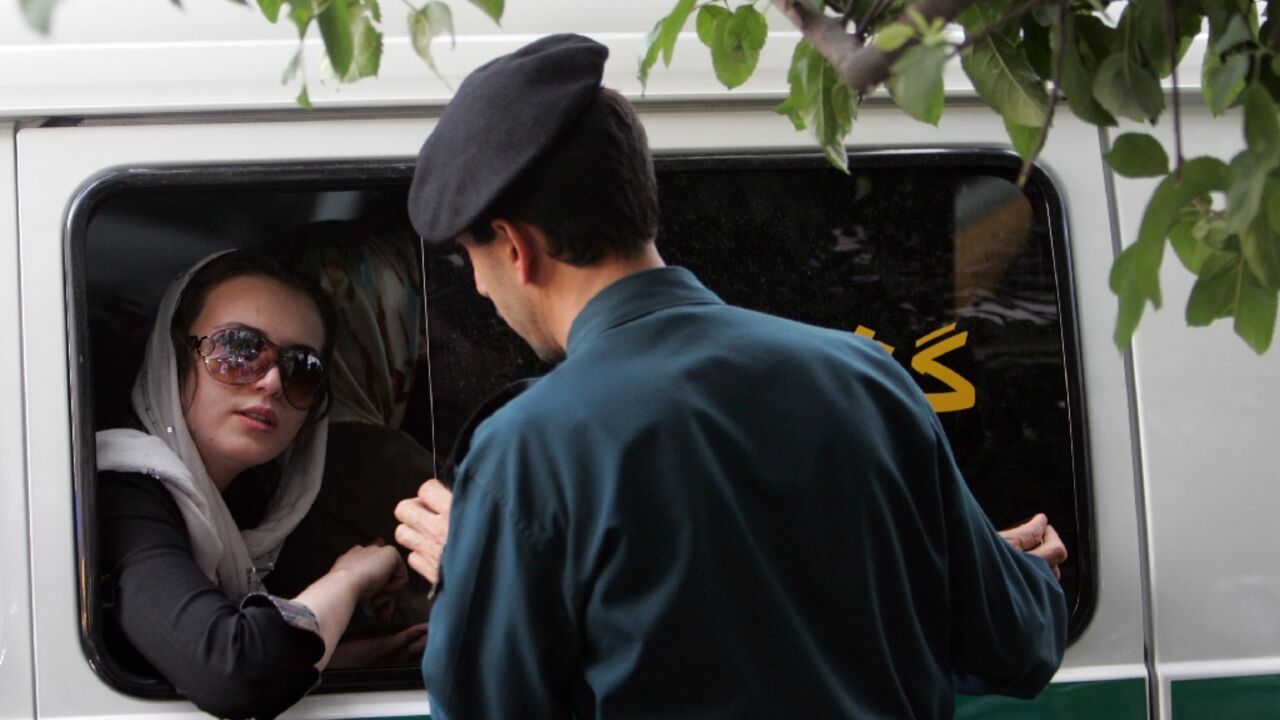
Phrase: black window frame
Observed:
(390, 173)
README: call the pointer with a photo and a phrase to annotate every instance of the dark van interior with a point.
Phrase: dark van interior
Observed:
(962, 277)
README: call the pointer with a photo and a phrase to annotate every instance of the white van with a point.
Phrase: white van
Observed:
(139, 137)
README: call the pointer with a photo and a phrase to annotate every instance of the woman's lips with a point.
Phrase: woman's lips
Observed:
(259, 418)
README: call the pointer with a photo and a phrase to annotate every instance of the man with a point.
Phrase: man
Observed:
(702, 510)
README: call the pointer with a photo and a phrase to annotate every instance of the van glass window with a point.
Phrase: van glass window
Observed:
(961, 276)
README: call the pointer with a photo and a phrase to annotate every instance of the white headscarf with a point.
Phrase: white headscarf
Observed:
(234, 560)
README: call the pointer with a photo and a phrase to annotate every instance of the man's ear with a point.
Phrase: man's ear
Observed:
(526, 248)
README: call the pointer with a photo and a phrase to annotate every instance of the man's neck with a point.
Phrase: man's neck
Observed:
(575, 286)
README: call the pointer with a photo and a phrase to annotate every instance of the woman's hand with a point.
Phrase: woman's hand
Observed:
(370, 573)
(376, 571)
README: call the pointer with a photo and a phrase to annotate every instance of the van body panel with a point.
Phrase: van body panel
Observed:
(57, 163)
(146, 57)
(1210, 461)
(1181, 437)
(15, 569)
(209, 57)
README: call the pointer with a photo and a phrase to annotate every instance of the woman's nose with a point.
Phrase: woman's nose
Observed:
(270, 382)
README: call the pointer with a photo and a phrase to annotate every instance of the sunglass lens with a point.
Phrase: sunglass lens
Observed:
(231, 370)
(302, 373)
(238, 356)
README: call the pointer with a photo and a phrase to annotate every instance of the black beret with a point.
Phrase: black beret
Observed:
(503, 117)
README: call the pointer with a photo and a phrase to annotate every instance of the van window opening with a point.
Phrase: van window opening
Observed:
(961, 277)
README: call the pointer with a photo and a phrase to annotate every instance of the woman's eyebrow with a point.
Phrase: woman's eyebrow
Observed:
(246, 326)
(240, 326)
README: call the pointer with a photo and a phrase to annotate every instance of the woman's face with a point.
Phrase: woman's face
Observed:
(236, 427)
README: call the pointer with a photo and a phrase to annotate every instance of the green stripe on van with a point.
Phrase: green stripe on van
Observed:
(1063, 701)
(1125, 699)
(1238, 698)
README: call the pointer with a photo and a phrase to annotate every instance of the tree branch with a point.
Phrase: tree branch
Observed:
(859, 66)
(1171, 37)
(1059, 59)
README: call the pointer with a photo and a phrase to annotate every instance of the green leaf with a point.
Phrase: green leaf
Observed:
(706, 22)
(735, 45)
(987, 16)
(1217, 292)
(915, 82)
(839, 109)
(1191, 251)
(1146, 19)
(1260, 242)
(1200, 176)
(1244, 196)
(799, 103)
(433, 20)
(661, 40)
(304, 99)
(492, 8)
(1261, 126)
(821, 101)
(1237, 33)
(271, 9)
(1024, 138)
(1135, 276)
(1136, 155)
(301, 13)
(1096, 39)
(1126, 89)
(1003, 78)
(1038, 44)
(1221, 12)
(1256, 314)
(1261, 250)
(1223, 82)
(335, 28)
(1272, 197)
(1225, 289)
(1212, 231)
(894, 36)
(1078, 70)
(294, 66)
(366, 48)
(1135, 279)
(918, 19)
(38, 13)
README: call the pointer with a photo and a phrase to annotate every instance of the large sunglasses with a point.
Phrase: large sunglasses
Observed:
(241, 355)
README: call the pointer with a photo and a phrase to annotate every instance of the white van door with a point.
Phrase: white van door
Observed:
(1104, 669)
(15, 589)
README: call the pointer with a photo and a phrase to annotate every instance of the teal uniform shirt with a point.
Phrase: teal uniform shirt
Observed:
(710, 512)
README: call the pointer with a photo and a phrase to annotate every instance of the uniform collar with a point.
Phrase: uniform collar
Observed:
(635, 296)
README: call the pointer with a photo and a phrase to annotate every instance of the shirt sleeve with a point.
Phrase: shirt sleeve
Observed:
(1009, 613)
(501, 643)
(255, 658)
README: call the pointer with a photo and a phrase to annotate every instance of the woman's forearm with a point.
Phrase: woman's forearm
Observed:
(358, 574)
(333, 599)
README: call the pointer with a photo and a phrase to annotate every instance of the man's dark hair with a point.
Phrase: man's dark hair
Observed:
(593, 193)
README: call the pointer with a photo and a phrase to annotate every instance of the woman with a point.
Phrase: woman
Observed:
(194, 506)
